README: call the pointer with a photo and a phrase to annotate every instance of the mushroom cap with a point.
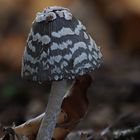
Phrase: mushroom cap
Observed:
(58, 47)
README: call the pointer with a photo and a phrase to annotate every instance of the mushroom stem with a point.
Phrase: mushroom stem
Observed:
(58, 91)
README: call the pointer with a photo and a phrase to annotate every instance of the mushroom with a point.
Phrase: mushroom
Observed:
(58, 49)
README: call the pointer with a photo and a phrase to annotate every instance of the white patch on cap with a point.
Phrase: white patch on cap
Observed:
(56, 58)
(85, 35)
(55, 46)
(80, 58)
(30, 45)
(61, 77)
(30, 69)
(56, 77)
(29, 58)
(94, 63)
(51, 62)
(100, 54)
(77, 31)
(81, 72)
(77, 70)
(61, 46)
(77, 46)
(67, 15)
(43, 55)
(45, 66)
(95, 55)
(69, 79)
(87, 65)
(36, 37)
(52, 8)
(60, 13)
(68, 31)
(90, 47)
(89, 57)
(63, 32)
(51, 12)
(65, 45)
(80, 25)
(55, 70)
(45, 39)
(39, 17)
(63, 64)
(92, 44)
(42, 16)
(67, 56)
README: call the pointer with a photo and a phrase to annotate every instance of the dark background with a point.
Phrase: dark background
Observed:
(115, 91)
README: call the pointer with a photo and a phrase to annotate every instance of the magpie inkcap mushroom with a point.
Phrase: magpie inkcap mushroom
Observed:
(58, 48)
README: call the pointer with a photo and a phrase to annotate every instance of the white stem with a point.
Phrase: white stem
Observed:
(58, 91)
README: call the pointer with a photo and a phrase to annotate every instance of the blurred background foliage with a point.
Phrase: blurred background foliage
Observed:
(115, 26)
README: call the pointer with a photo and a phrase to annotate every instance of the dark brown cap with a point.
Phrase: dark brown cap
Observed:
(58, 47)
